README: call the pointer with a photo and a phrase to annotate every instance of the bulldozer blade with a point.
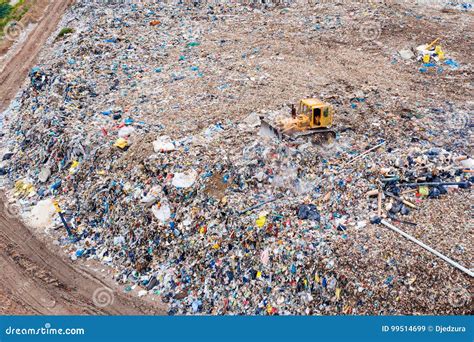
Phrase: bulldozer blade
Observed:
(267, 130)
(320, 134)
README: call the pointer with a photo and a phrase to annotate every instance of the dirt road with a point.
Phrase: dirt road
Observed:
(35, 279)
(17, 67)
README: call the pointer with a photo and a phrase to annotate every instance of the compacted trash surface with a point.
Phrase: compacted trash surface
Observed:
(140, 125)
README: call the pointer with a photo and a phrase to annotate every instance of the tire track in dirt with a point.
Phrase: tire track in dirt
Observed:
(17, 67)
(33, 279)
(37, 280)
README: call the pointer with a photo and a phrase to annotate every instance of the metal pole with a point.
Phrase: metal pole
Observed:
(366, 152)
(63, 220)
(461, 184)
(253, 207)
(428, 248)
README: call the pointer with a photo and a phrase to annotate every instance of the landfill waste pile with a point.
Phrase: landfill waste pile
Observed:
(142, 125)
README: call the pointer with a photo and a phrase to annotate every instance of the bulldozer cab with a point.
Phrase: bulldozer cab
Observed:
(318, 113)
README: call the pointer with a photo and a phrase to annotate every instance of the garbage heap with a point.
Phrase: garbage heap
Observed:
(202, 211)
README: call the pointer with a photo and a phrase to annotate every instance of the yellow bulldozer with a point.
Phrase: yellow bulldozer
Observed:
(311, 117)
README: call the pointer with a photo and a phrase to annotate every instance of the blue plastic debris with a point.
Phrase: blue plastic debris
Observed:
(56, 185)
(389, 280)
(308, 212)
(196, 305)
(452, 63)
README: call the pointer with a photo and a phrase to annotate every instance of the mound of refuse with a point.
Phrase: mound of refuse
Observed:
(201, 210)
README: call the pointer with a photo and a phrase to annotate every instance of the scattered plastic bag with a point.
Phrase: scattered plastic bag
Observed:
(163, 144)
(184, 180)
(162, 211)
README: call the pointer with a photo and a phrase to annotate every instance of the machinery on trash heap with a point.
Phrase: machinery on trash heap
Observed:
(311, 118)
